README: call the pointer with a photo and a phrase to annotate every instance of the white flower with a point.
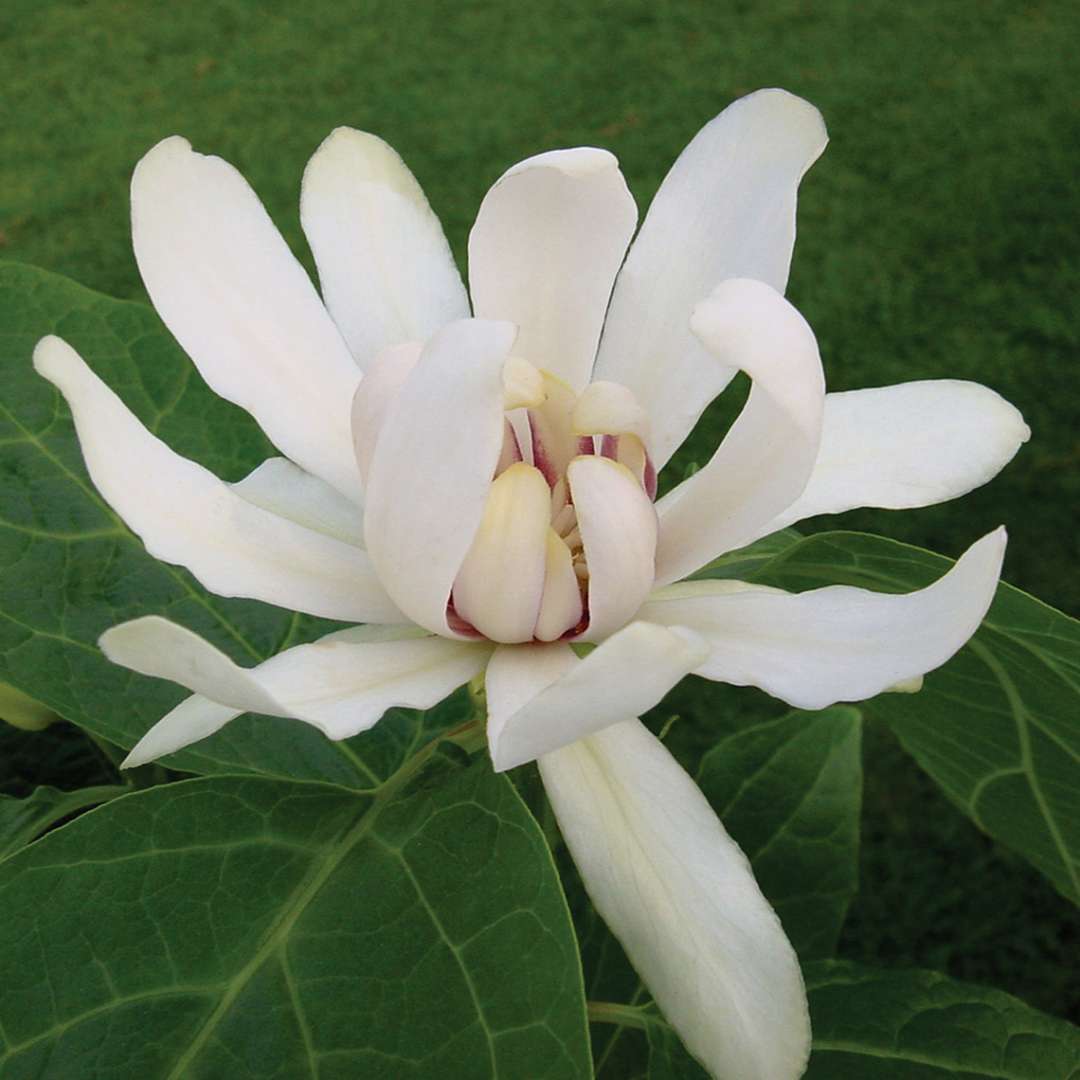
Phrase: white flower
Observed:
(479, 491)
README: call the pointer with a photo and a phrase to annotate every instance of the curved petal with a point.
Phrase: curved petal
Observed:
(618, 532)
(540, 697)
(285, 489)
(385, 267)
(341, 684)
(194, 719)
(726, 209)
(375, 396)
(764, 462)
(544, 251)
(839, 643)
(915, 444)
(184, 514)
(433, 466)
(681, 898)
(242, 307)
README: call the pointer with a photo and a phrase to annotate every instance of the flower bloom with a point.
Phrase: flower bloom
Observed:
(476, 486)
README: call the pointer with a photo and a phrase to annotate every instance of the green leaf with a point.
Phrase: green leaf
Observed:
(69, 568)
(23, 819)
(921, 1025)
(790, 792)
(253, 928)
(997, 727)
(648, 1048)
(740, 564)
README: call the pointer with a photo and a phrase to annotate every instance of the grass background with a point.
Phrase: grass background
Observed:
(937, 239)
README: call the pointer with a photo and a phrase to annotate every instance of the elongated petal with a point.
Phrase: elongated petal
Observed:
(285, 489)
(433, 465)
(385, 267)
(186, 515)
(838, 643)
(341, 685)
(725, 210)
(681, 898)
(618, 531)
(544, 251)
(242, 307)
(500, 584)
(540, 697)
(915, 444)
(194, 719)
(764, 462)
(375, 396)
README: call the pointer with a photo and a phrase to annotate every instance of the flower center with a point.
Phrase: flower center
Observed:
(550, 520)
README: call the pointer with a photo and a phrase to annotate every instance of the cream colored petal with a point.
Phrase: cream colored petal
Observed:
(186, 515)
(766, 458)
(376, 394)
(239, 303)
(725, 210)
(386, 270)
(561, 607)
(681, 898)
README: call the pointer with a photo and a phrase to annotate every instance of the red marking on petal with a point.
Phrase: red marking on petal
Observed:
(586, 444)
(458, 624)
(649, 479)
(609, 447)
(540, 455)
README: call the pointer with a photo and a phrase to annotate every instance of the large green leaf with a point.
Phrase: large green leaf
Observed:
(69, 568)
(23, 819)
(998, 727)
(249, 927)
(790, 792)
(921, 1025)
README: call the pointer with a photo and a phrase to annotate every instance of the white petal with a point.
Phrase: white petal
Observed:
(726, 209)
(618, 531)
(915, 444)
(500, 584)
(186, 515)
(375, 396)
(681, 898)
(242, 307)
(386, 270)
(561, 607)
(606, 408)
(540, 697)
(764, 462)
(547, 242)
(194, 719)
(839, 643)
(285, 489)
(341, 684)
(433, 466)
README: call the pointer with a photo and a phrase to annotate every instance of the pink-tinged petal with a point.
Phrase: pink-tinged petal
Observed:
(766, 458)
(618, 531)
(186, 515)
(433, 465)
(544, 251)
(725, 210)
(386, 270)
(839, 643)
(239, 303)
(541, 697)
(375, 395)
(914, 444)
(681, 898)
(501, 582)
(341, 684)
(285, 489)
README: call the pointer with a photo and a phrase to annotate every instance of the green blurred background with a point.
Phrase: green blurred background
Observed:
(937, 238)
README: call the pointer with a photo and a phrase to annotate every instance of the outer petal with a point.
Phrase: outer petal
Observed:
(286, 490)
(184, 514)
(833, 644)
(540, 697)
(914, 444)
(764, 462)
(242, 307)
(726, 209)
(618, 531)
(376, 395)
(386, 270)
(681, 898)
(433, 466)
(544, 251)
(342, 684)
